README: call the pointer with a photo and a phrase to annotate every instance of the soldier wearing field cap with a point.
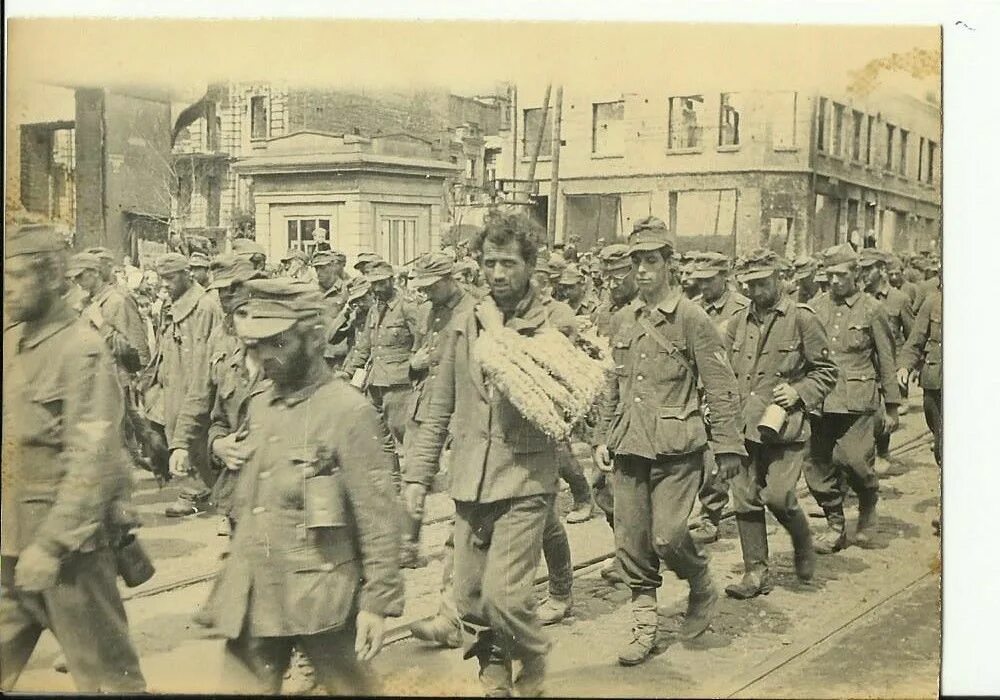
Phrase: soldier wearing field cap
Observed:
(295, 264)
(781, 357)
(710, 271)
(366, 258)
(931, 281)
(199, 264)
(348, 322)
(805, 279)
(572, 289)
(65, 478)
(107, 261)
(313, 561)
(923, 349)
(842, 445)
(252, 251)
(188, 324)
(329, 270)
(617, 270)
(664, 345)
(897, 278)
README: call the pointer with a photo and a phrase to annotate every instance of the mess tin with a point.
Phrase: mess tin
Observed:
(772, 422)
(134, 565)
(323, 502)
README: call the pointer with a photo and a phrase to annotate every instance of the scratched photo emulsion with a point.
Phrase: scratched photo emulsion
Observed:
(461, 358)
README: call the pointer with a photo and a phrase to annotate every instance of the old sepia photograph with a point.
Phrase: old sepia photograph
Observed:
(473, 358)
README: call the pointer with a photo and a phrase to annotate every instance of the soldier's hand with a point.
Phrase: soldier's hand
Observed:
(891, 419)
(727, 466)
(786, 396)
(602, 458)
(413, 498)
(179, 462)
(371, 632)
(234, 453)
(903, 376)
(36, 569)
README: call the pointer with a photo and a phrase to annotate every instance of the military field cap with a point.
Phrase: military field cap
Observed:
(821, 275)
(542, 266)
(228, 270)
(615, 257)
(430, 268)
(839, 258)
(171, 263)
(367, 257)
(327, 257)
(294, 254)
(556, 264)
(932, 263)
(102, 253)
(244, 246)
(198, 260)
(872, 256)
(650, 233)
(275, 305)
(379, 270)
(893, 261)
(570, 275)
(83, 261)
(759, 264)
(709, 265)
(357, 288)
(805, 265)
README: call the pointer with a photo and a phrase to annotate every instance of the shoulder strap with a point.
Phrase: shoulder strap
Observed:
(665, 342)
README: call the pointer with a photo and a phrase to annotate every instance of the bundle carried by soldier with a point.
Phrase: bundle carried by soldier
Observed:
(551, 379)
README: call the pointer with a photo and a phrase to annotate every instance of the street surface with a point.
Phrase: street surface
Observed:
(868, 626)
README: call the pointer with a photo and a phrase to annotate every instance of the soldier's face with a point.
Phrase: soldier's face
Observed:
(843, 284)
(200, 275)
(507, 273)
(383, 289)
(326, 275)
(652, 272)
(27, 291)
(438, 292)
(896, 277)
(713, 287)
(872, 276)
(175, 284)
(764, 292)
(283, 358)
(89, 281)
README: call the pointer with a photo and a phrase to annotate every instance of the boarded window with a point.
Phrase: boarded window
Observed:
(608, 128)
(687, 117)
(821, 127)
(857, 131)
(904, 137)
(837, 132)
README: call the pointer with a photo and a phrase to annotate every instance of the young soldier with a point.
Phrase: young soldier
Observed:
(780, 354)
(721, 303)
(843, 437)
(65, 478)
(503, 470)
(313, 561)
(663, 344)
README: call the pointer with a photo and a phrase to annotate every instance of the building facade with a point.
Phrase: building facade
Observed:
(730, 171)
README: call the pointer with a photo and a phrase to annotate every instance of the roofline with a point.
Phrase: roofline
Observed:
(295, 163)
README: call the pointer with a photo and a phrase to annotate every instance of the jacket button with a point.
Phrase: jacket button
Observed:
(639, 377)
(638, 399)
(258, 510)
(327, 566)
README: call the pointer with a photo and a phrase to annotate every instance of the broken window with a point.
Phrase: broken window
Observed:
(686, 122)
(904, 136)
(837, 142)
(890, 136)
(856, 133)
(783, 116)
(532, 122)
(258, 117)
(730, 110)
(821, 125)
(608, 128)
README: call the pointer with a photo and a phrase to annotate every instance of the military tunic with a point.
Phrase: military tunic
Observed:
(924, 349)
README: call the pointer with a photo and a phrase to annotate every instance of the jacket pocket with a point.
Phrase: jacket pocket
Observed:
(787, 359)
(679, 430)
(861, 392)
(620, 353)
(859, 337)
(43, 419)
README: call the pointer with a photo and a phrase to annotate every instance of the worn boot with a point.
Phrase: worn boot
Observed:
(753, 541)
(834, 537)
(867, 517)
(805, 555)
(438, 630)
(705, 531)
(581, 512)
(609, 572)
(530, 681)
(644, 628)
(703, 599)
(495, 675)
(554, 608)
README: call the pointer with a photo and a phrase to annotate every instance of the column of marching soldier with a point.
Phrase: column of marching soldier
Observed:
(728, 379)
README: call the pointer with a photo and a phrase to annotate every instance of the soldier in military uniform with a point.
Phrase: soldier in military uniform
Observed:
(721, 302)
(923, 349)
(348, 322)
(313, 561)
(199, 265)
(805, 279)
(252, 251)
(572, 289)
(366, 258)
(621, 289)
(183, 343)
(894, 273)
(65, 478)
(663, 345)
(842, 446)
(781, 357)
(329, 270)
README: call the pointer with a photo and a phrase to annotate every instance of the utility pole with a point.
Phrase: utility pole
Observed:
(554, 180)
(513, 128)
(541, 134)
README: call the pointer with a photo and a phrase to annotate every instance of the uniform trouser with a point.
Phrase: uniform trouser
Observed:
(497, 549)
(653, 501)
(714, 493)
(558, 559)
(882, 435)
(768, 479)
(84, 612)
(841, 451)
(392, 403)
(934, 415)
(571, 471)
(446, 607)
(604, 496)
(257, 665)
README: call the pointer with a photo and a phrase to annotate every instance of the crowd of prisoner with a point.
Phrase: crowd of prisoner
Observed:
(312, 410)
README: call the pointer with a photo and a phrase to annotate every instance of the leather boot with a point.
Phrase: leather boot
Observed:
(439, 630)
(644, 628)
(834, 537)
(805, 555)
(554, 609)
(867, 517)
(753, 541)
(703, 599)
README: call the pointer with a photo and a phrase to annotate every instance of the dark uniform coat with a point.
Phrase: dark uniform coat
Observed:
(924, 346)
(899, 310)
(392, 331)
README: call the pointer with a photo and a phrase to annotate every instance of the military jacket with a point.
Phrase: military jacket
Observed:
(64, 461)
(924, 346)
(233, 387)
(282, 578)
(861, 345)
(898, 308)
(391, 333)
(724, 308)
(651, 406)
(122, 328)
(601, 317)
(335, 300)
(497, 454)
(788, 345)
